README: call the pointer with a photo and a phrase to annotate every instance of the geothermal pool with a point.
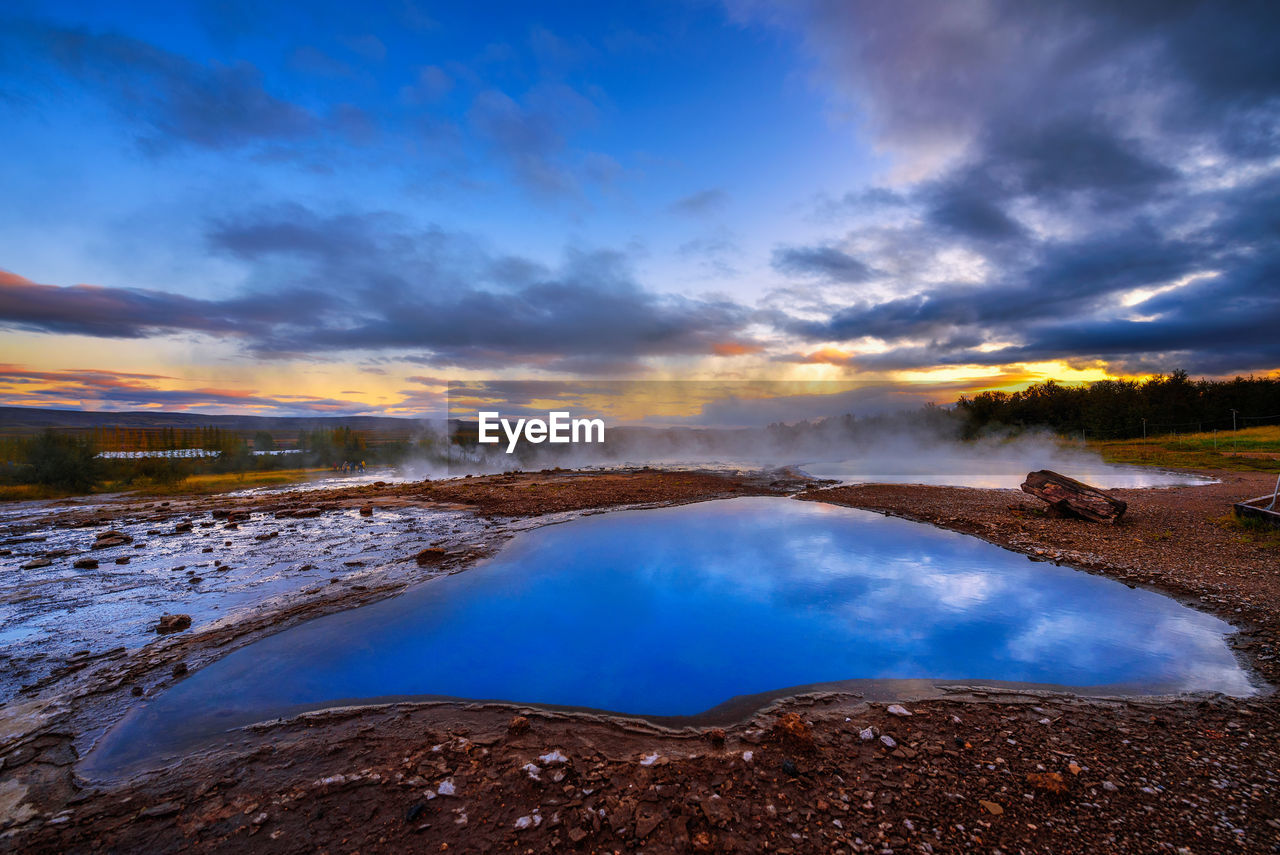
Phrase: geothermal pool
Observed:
(672, 612)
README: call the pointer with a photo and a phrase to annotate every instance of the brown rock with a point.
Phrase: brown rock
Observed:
(1050, 782)
(794, 731)
(518, 725)
(648, 817)
(86, 564)
(173, 623)
(717, 811)
(429, 556)
(111, 538)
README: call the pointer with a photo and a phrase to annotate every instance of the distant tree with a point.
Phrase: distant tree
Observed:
(62, 462)
(263, 441)
(1172, 403)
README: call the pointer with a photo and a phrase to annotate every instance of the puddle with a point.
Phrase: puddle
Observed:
(674, 611)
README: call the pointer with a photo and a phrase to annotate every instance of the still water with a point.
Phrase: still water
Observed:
(672, 612)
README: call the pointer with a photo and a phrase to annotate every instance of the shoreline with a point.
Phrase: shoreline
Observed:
(1120, 552)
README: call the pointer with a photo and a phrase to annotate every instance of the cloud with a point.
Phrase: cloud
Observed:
(98, 388)
(735, 348)
(1073, 181)
(530, 135)
(372, 283)
(700, 204)
(717, 254)
(824, 262)
(176, 99)
(111, 312)
(432, 84)
(929, 79)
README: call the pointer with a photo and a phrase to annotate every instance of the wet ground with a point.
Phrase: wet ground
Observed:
(53, 613)
(229, 562)
(977, 769)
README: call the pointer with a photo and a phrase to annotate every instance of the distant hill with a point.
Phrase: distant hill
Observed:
(22, 419)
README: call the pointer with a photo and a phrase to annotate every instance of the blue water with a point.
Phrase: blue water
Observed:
(672, 612)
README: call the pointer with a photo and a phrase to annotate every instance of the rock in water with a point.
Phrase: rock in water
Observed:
(1072, 497)
(173, 623)
(429, 556)
(108, 539)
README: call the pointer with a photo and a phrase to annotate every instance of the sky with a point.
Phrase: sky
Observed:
(338, 208)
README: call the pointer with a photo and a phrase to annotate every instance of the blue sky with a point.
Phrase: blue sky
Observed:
(332, 207)
(532, 132)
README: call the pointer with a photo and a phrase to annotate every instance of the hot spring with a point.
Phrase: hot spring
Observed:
(677, 611)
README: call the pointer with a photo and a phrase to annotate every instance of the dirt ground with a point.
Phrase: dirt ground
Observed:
(968, 769)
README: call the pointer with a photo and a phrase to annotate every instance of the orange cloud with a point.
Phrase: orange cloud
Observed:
(735, 348)
(826, 356)
(8, 278)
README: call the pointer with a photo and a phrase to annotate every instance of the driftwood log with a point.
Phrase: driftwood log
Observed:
(1069, 496)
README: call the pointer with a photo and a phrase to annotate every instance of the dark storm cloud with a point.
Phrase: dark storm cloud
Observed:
(823, 262)
(352, 282)
(1076, 156)
(1081, 156)
(213, 105)
(1078, 153)
(966, 208)
(1219, 324)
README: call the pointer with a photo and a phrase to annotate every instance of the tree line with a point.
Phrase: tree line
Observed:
(69, 461)
(1128, 409)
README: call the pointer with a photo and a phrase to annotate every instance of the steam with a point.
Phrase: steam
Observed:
(921, 446)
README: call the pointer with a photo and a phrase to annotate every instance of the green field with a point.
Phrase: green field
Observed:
(1250, 449)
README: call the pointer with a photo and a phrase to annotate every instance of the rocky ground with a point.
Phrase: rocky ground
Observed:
(1009, 770)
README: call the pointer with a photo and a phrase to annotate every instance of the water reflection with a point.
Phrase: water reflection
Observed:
(673, 611)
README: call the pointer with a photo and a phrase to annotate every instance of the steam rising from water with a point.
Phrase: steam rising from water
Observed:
(907, 447)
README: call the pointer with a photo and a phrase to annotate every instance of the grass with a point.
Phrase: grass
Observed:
(201, 485)
(1254, 449)
(29, 493)
(1252, 530)
(205, 484)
